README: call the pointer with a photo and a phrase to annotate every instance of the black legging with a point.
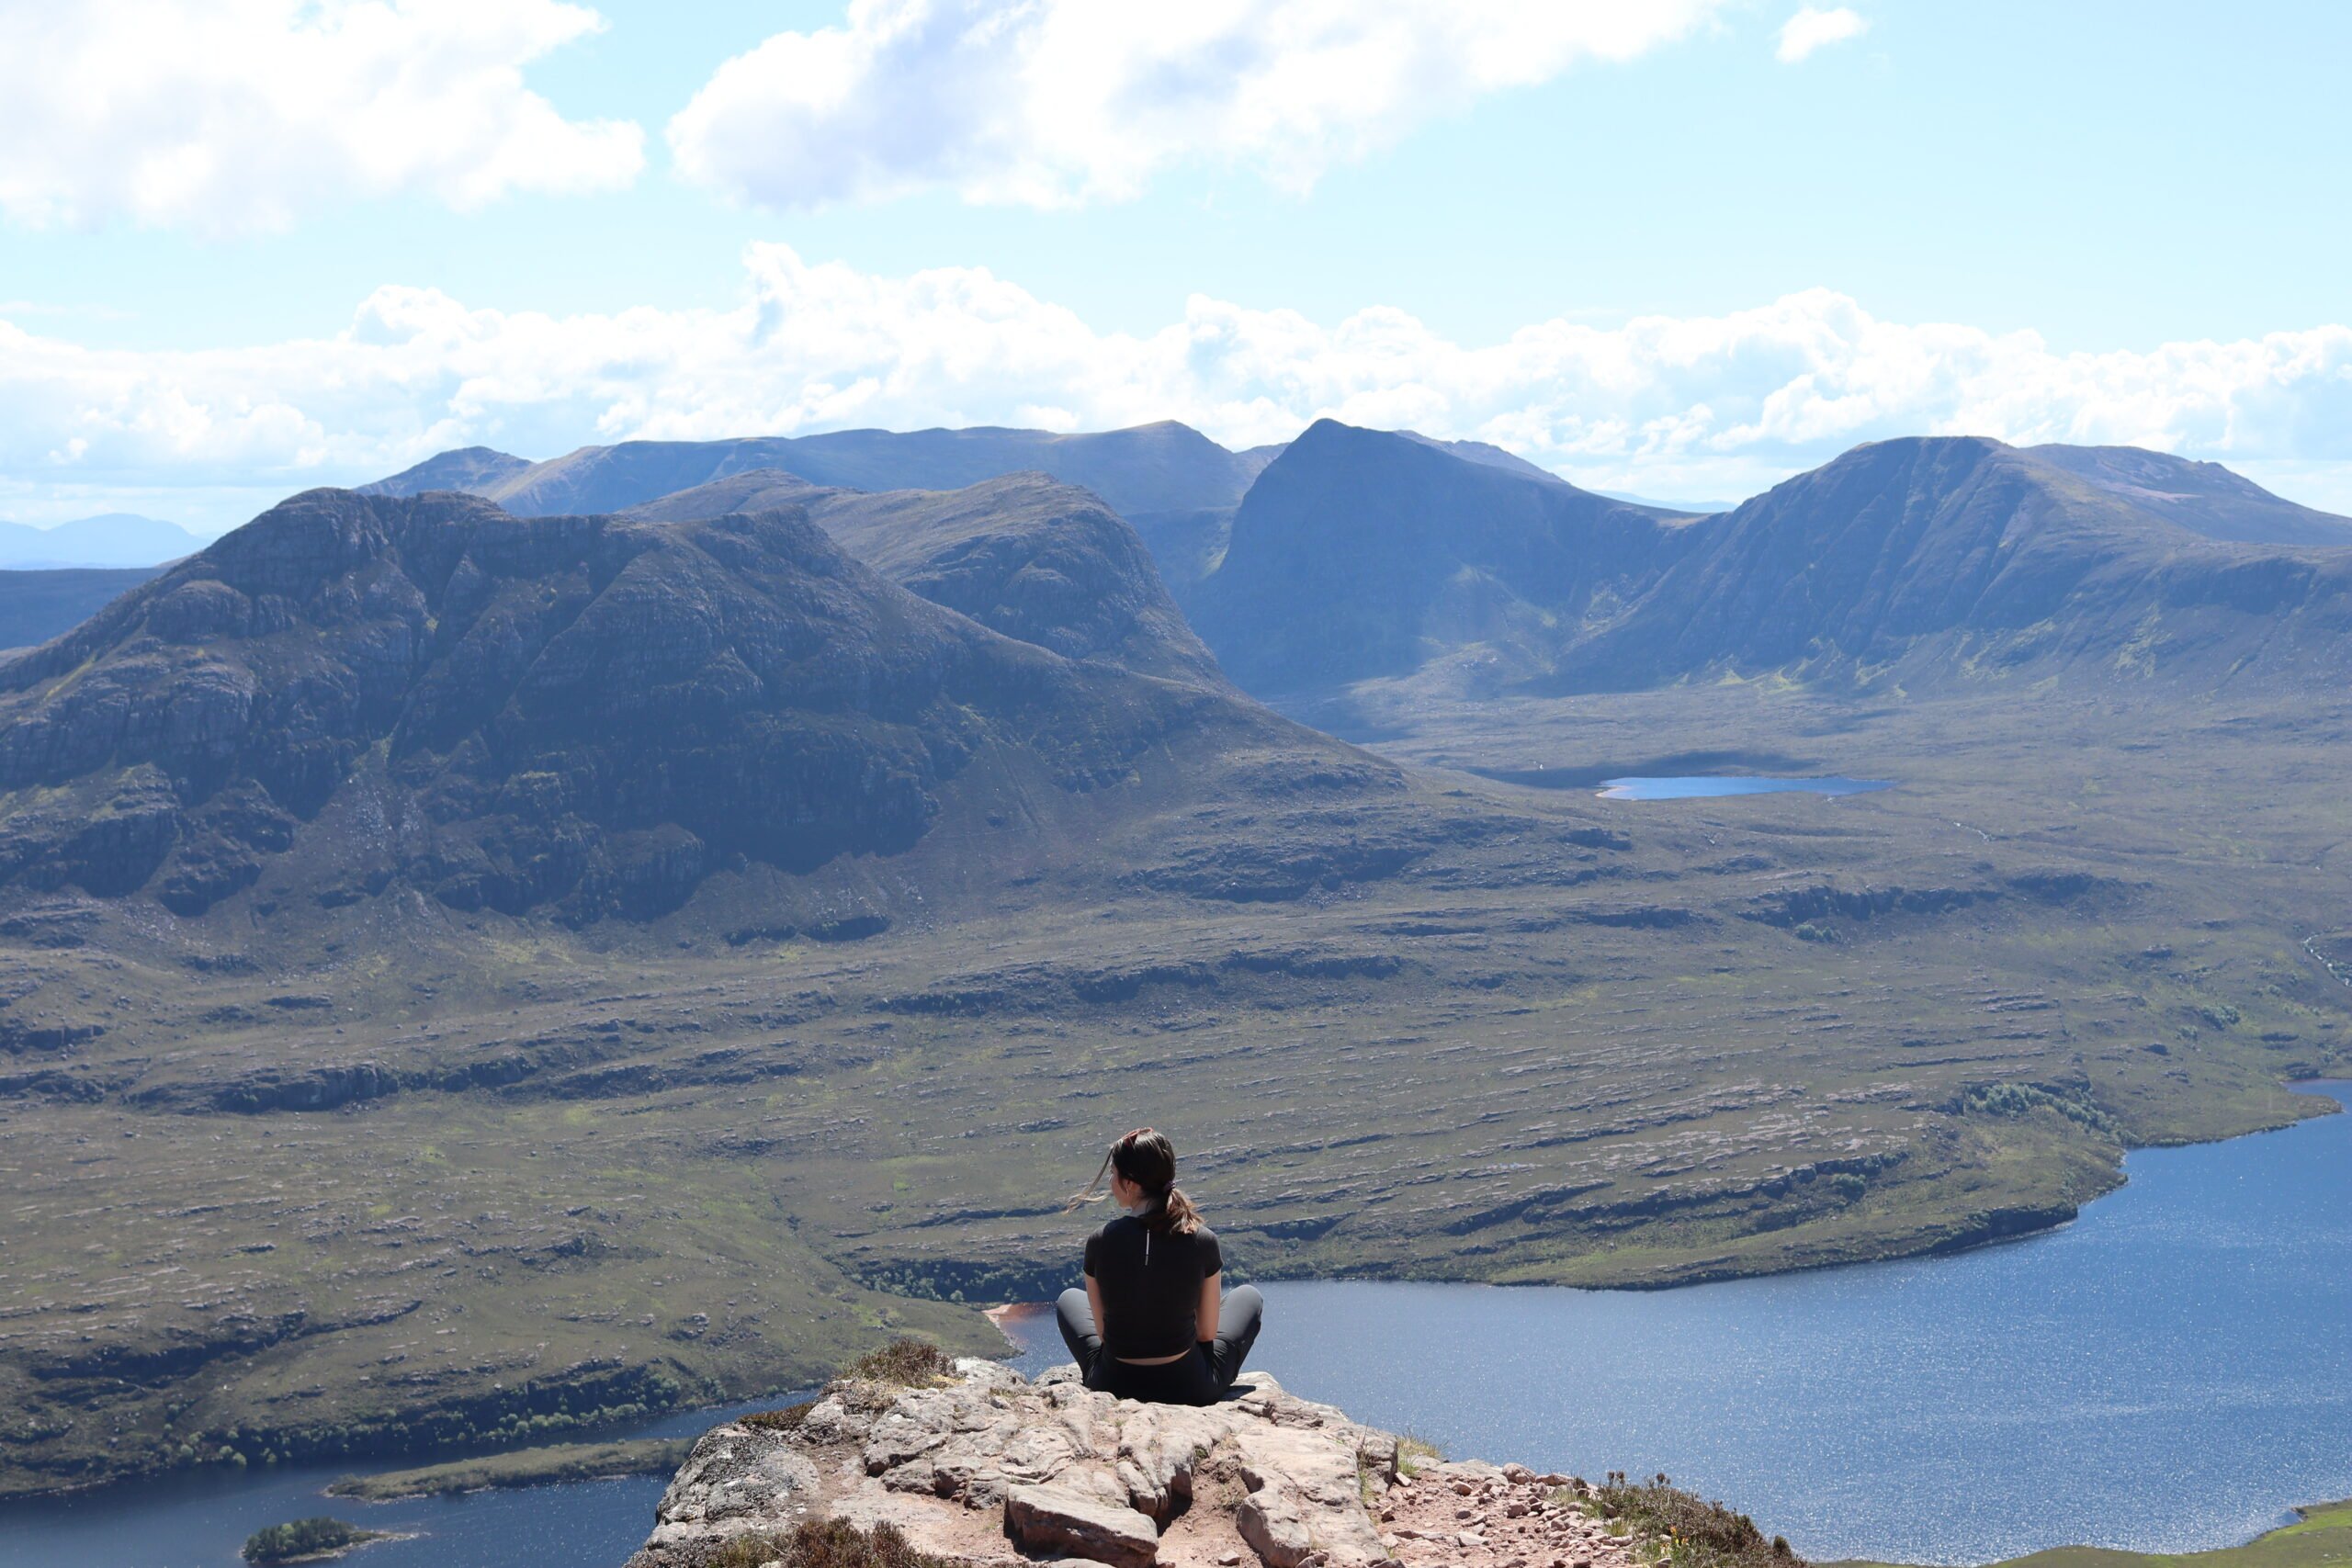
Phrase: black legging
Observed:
(1196, 1379)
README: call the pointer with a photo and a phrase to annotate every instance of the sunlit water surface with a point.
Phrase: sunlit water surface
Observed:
(1709, 785)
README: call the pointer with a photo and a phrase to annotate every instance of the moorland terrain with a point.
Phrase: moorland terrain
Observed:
(526, 944)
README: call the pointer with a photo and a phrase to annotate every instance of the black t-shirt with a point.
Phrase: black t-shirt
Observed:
(1151, 1286)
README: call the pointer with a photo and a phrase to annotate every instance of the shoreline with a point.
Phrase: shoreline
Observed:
(2332, 1092)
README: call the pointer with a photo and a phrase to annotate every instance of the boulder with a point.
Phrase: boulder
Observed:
(1272, 1526)
(1048, 1519)
(736, 1479)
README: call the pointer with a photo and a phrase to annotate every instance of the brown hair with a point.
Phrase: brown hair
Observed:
(1145, 1158)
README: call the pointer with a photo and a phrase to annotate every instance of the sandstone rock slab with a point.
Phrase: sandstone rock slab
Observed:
(1051, 1518)
(989, 1467)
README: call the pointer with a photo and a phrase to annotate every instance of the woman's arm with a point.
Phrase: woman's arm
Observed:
(1094, 1301)
(1204, 1328)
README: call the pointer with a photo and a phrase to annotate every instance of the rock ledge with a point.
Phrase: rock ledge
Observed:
(986, 1467)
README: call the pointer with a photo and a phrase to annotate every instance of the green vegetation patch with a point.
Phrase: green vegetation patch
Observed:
(910, 1361)
(833, 1544)
(1669, 1525)
(785, 1420)
(2024, 1099)
(301, 1541)
(525, 1467)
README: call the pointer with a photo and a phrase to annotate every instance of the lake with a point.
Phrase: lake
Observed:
(199, 1520)
(1709, 786)
(2171, 1372)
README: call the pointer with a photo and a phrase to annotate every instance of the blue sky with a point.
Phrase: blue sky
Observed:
(1635, 244)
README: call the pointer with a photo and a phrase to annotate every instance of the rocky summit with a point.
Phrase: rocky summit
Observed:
(983, 1466)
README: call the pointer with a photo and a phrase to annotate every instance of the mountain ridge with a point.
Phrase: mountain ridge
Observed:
(1365, 554)
(1960, 558)
(1367, 559)
(507, 694)
(2204, 498)
(1024, 555)
(1160, 466)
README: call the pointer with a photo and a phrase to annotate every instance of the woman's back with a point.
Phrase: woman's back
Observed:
(1151, 1284)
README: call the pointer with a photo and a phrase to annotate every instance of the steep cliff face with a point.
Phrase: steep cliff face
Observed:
(982, 1467)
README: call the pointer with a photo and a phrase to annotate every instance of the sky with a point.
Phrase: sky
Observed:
(1680, 248)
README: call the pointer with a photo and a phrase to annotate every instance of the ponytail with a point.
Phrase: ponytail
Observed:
(1174, 1213)
(1146, 1158)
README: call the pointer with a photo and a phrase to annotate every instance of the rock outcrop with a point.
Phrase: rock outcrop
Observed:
(986, 1467)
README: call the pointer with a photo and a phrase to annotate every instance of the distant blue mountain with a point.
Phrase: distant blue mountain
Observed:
(1149, 468)
(1694, 508)
(112, 539)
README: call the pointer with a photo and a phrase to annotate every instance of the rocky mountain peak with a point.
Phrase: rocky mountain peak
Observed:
(984, 1467)
(1364, 553)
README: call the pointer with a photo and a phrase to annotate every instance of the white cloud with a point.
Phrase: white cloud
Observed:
(1812, 27)
(1054, 102)
(230, 115)
(1677, 406)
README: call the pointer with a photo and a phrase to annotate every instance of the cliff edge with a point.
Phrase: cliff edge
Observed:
(975, 1464)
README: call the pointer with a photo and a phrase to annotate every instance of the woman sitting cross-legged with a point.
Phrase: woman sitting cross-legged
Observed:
(1150, 1325)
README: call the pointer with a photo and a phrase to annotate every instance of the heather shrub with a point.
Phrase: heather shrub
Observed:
(785, 1420)
(1694, 1532)
(913, 1362)
(830, 1544)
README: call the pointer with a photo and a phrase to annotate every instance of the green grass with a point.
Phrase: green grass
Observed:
(1416, 1454)
(523, 1467)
